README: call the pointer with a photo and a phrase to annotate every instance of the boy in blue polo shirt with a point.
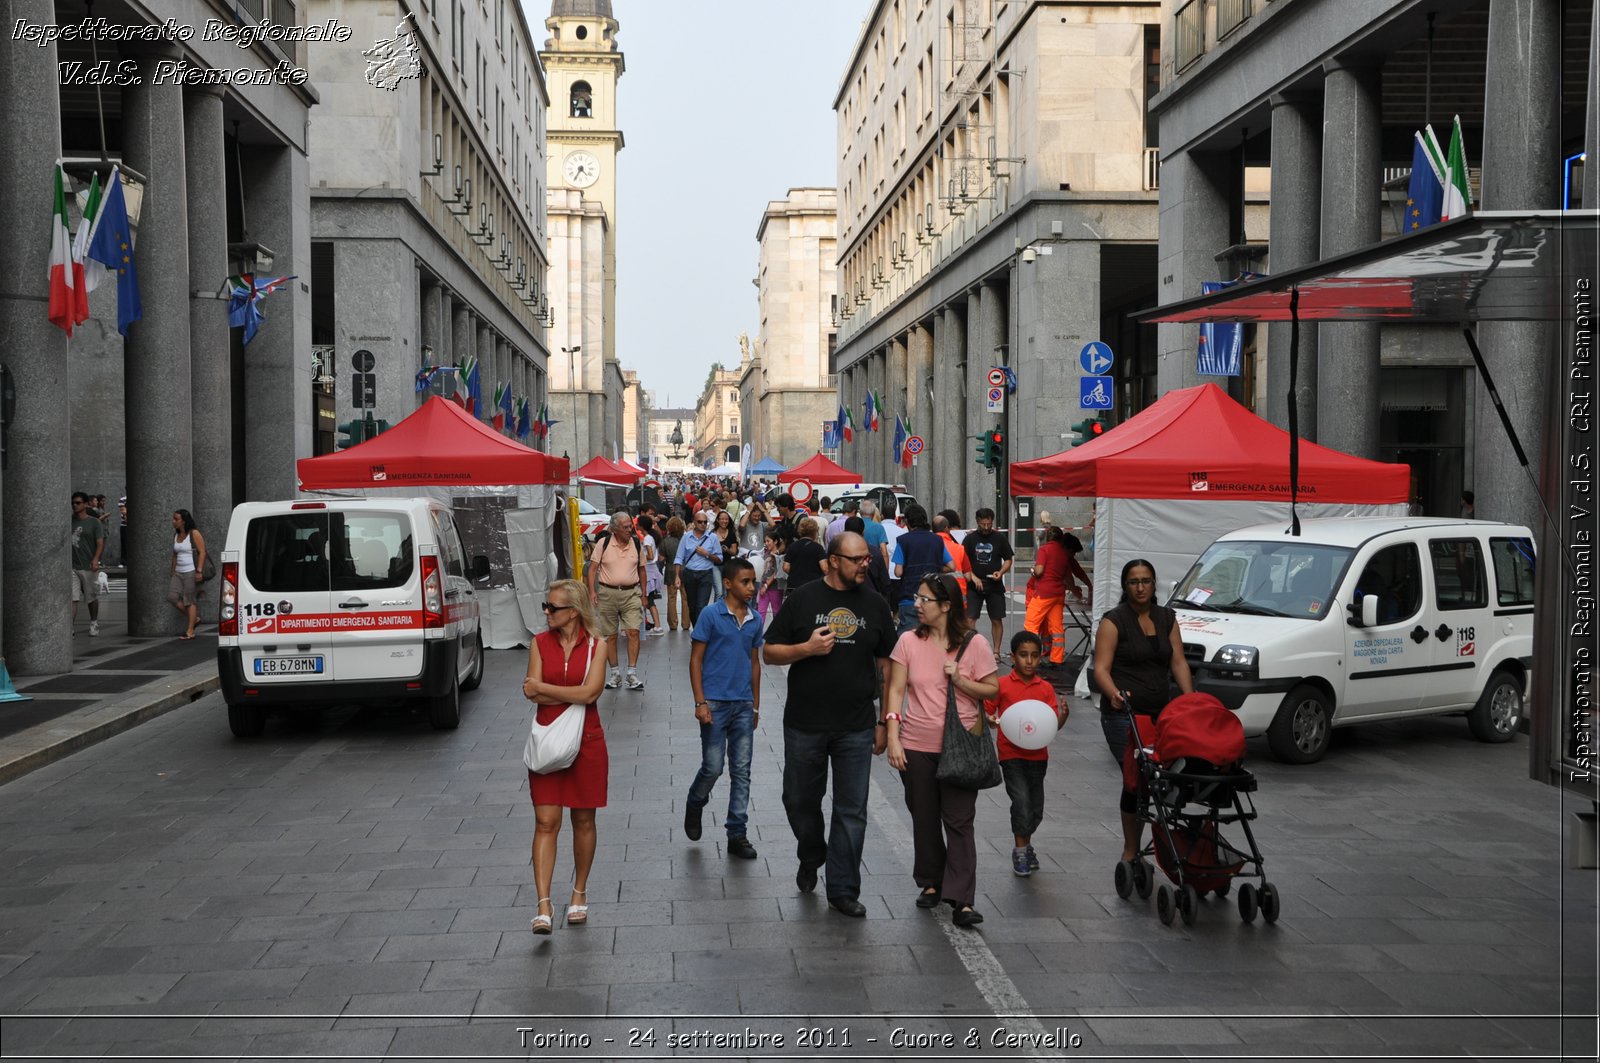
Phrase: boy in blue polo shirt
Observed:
(725, 672)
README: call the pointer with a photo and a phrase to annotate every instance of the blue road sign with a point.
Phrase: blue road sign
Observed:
(1096, 358)
(1094, 392)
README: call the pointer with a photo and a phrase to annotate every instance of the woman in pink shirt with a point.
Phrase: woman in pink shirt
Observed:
(924, 661)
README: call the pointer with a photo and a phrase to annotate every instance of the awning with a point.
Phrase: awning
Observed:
(1490, 266)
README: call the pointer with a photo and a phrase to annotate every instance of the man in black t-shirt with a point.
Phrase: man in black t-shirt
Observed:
(836, 634)
(991, 557)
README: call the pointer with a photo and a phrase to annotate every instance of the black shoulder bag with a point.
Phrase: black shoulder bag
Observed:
(969, 759)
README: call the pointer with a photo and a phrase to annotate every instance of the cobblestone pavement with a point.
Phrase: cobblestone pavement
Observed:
(358, 886)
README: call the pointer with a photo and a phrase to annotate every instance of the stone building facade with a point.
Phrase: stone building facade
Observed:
(161, 414)
(788, 389)
(659, 429)
(583, 65)
(1333, 92)
(428, 228)
(635, 419)
(717, 417)
(997, 207)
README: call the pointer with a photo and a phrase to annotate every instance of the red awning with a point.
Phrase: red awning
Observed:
(439, 445)
(819, 469)
(1198, 443)
(604, 470)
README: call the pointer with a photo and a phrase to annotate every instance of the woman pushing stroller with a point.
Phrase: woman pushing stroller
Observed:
(1138, 656)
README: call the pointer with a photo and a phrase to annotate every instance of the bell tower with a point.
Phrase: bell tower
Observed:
(583, 65)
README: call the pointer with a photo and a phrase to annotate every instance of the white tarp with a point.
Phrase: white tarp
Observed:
(1172, 533)
(509, 524)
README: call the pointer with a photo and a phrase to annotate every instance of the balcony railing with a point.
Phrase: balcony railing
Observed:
(1190, 22)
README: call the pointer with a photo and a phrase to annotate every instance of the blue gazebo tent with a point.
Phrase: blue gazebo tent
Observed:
(765, 467)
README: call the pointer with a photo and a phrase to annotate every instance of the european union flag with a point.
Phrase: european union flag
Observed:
(112, 245)
(1425, 195)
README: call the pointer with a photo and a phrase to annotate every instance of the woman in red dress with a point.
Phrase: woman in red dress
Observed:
(566, 666)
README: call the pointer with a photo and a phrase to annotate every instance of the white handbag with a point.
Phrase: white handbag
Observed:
(554, 746)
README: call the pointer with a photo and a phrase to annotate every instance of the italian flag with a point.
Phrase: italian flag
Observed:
(64, 274)
(1457, 192)
(86, 272)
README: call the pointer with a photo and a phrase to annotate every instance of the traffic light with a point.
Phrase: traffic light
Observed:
(997, 447)
(352, 433)
(1088, 430)
(984, 455)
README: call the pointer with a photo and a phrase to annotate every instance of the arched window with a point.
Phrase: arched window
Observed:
(582, 100)
(731, 454)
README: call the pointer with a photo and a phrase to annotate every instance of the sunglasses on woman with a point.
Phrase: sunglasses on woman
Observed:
(552, 607)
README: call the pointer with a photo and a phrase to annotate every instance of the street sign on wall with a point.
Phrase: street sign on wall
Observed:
(996, 400)
(1094, 392)
(1096, 358)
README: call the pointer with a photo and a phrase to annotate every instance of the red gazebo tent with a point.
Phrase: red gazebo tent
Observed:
(819, 469)
(604, 470)
(440, 445)
(1197, 443)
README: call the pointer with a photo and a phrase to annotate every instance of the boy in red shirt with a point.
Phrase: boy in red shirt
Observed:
(1024, 768)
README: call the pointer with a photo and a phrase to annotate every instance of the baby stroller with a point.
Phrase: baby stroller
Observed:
(1189, 784)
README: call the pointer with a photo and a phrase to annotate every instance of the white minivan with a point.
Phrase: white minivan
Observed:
(1362, 619)
(346, 600)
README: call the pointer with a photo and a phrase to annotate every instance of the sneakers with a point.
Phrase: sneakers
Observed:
(613, 679)
(741, 848)
(1033, 859)
(94, 627)
(1019, 862)
(634, 682)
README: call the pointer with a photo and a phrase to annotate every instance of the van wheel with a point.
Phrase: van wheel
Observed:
(247, 721)
(1300, 732)
(472, 681)
(444, 711)
(1499, 709)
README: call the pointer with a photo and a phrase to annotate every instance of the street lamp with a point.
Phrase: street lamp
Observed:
(572, 387)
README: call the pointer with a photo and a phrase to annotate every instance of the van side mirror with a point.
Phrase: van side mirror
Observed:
(480, 568)
(1364, 611)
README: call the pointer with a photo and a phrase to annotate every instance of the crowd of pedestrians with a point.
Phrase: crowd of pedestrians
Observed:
(873, 616)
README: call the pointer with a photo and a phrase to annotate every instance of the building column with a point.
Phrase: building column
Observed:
(461, 341)
(951, 458)
(157, 385)
(36, 507)
(919, 403)
(878, 464)
(989, 339)
(897, 395)
(1194, 227)
(485, 369)
(1521, 152)
(432, 323)
(981, 355)
(1348, 403)
(210, 376)
(1296, 222)
(277, 364)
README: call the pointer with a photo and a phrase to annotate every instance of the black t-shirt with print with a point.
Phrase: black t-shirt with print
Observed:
(987, 551)
(834, 692)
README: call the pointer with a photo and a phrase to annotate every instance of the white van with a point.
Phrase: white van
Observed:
(346, 600)
(1362, 619)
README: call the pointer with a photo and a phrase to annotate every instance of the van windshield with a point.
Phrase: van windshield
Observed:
(1293, 578)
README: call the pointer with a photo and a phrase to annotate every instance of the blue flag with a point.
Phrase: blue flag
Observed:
(245, 293)
(1425, 195)
(112, 245)
(899, 438)
(1221, 342)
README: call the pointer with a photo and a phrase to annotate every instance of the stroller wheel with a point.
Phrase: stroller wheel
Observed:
(1165, 903)
(1188, 905)
(1222, 890)
(1247, 903)
(1269, 902)
(1143, 878)
(1123, 877)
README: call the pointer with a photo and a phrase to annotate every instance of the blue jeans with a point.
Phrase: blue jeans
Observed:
(907, 617)
(730, 733)
(807, 756)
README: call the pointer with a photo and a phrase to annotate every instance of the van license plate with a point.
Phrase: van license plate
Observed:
(288, 666)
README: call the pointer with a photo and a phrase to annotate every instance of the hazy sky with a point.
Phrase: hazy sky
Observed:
(724, 107)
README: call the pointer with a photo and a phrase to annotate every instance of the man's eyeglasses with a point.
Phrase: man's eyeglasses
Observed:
(854, 559)
(552, 607)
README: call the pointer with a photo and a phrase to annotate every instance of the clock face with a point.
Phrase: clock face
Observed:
(581, 169)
